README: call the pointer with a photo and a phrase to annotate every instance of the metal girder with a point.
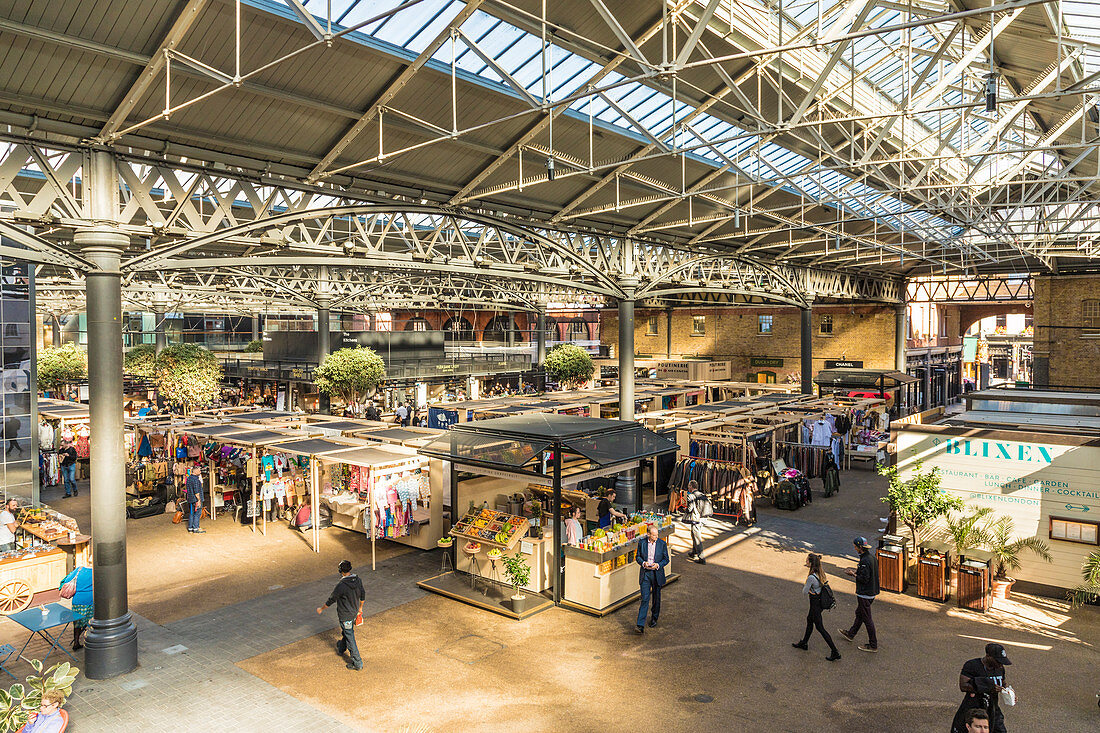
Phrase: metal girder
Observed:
(978, 289)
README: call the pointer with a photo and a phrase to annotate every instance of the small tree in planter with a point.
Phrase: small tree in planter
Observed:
(569, 364)
(350, 374)
(918, 501)
(189, 376)
(967, 532)
(140, 361)
(61, 365)
(1006, 549)
(519, 573)
(20, 700)
(254, 347)
(1089, 591)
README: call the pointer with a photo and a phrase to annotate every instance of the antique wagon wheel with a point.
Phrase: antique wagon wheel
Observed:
(15, 595)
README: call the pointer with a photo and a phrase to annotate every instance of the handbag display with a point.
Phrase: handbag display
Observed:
(177, 517)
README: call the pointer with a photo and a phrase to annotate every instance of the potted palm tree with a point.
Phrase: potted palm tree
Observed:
(1089, 591)
(519, 573)
(966, 532)
(1006, 549)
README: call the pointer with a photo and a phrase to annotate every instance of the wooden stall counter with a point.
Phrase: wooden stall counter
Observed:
(602, 582)
(32, 572)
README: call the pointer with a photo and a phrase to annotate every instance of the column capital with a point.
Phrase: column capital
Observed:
(103, 245)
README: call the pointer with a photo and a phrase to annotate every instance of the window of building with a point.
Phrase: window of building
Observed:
(1028, 320)
(698, 325)
(1074, 530)
(943, 325)
(1091, 309)
(1002, 322)
(826, 325)
(651, 326)
(764, 325)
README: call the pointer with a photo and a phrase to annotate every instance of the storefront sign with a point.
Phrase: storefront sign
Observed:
(843, 364)
(765, 361)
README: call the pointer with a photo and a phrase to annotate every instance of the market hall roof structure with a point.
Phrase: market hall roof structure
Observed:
(675, 152)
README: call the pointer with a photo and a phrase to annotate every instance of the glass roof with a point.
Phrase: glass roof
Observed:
(465, 447)
(647, 113)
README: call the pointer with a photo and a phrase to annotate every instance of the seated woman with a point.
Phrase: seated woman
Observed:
(302, 519)
(48, 719)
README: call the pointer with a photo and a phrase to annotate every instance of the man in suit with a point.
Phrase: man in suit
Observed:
(652, 556)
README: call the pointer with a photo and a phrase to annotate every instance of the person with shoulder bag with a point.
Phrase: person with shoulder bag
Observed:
(696, 505)
(77, 588)
(194, 494)
(821, 599)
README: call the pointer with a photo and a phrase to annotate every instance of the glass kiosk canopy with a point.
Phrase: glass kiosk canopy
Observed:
(515, 444)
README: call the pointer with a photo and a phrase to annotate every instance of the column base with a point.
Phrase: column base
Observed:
(110, 647)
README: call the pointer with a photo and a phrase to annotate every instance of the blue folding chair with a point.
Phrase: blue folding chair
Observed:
(6, 650)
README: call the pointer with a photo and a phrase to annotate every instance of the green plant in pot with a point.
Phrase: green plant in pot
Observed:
(967, 532)
(518, 572)
(20, 700)
(1006, 549)
(1089, 591)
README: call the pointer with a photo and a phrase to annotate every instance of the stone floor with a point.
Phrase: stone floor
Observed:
(248, 657)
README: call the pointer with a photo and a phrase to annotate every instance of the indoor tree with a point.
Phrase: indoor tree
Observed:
(61, 365)
(967, 531)
(187, 375)
(140, 361)
(254, 347)
(569, 364)
(918, 500)
(1089, 591)
(350, 374)
(1006, 547)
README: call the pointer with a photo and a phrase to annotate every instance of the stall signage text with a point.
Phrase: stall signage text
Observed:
(991, 449)
(765, 361)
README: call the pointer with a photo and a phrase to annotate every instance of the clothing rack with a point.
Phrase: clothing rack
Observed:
(729, 484)
(809, 459)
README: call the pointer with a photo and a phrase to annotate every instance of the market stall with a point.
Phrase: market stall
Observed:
(542, 450)
(58, 422)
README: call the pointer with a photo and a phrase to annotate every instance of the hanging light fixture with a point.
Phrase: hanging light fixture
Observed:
(991, 91)
(550, 168)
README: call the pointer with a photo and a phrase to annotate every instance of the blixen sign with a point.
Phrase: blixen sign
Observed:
(996, 450)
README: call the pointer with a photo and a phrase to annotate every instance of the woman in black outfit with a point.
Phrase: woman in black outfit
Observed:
(814, 581)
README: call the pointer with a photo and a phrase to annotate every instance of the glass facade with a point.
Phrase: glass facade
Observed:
(19, 454)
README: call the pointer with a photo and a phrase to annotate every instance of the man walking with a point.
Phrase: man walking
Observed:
(982, 680)
(348, 597)
(68, 467)
(652, 556)
(194, 496)
(693, 517)
(866, 575)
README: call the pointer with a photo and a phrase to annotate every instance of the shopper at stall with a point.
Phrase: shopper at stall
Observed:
(48, 718)
(652, 556)
(573, 528)
(8, 525)
(372, 412)
(194, 495)
(348, 597)
(605, 510)
(401, 414)
(982, 679)
(67, 454)
(866, 575)
(81, 599)
(815, 582)
(693, 516)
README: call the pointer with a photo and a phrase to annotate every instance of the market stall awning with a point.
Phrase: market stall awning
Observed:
(374, 455)
(887, 378)
(258, 437)
(211, 431)
(402, 435)
(340, 426)
(310, 447)
(472, 448)
(255, 416)
(621, 446)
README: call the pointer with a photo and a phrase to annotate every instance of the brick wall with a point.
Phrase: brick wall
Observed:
(1064, 354)
(865, 333)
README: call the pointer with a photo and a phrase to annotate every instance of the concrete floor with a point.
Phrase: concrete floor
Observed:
(436, 665)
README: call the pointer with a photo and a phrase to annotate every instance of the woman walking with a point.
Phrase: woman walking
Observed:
(814, 581)
(81, 577)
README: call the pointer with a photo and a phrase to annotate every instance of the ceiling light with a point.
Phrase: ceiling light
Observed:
(991, 92)
(550, 168)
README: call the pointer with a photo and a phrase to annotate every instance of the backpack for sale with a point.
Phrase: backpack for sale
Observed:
(786, 496)
(804, 495)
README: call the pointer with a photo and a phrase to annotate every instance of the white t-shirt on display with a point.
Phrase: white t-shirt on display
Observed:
(6, 535)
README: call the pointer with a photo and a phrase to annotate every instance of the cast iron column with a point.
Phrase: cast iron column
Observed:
(807, 350)
(372, 322)
(900, 322)
(668, 334)
(511, 329)
(626, 359)
(56, 331)
(160, 329)
(255, 326)
(540, 327)
(323, 347)
(926, 398)
(557, 579)
(111, 641)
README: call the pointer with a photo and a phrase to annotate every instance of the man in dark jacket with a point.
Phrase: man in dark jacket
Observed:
(866, 575)
(348, 597)
(693, 517)
(68, 467)
(194, 496)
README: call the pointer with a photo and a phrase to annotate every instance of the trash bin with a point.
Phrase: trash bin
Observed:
(893, 559)
(934, 571)
(974, 587)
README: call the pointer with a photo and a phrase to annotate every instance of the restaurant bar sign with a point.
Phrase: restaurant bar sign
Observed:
(843, 364)
(765, 361)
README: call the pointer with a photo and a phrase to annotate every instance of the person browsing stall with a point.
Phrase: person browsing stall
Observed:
(194, 494)
(573, 528)
(8, 525)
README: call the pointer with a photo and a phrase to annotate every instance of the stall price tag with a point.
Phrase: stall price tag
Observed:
(526, 548)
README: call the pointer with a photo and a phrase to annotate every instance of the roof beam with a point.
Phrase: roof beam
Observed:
(145, 79)
(622, 35)
(392, 90)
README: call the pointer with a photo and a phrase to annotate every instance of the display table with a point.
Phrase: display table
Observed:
(491, 529)
(601, 582)
(539, 554)
(75, 548)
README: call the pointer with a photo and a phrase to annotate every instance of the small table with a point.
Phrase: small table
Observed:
(39, 625)
(74, 548)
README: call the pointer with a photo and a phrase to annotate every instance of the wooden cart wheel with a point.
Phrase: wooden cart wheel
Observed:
(15, 595)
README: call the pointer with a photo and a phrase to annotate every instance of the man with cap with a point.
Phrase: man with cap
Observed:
(866, 575)
(982, 680)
